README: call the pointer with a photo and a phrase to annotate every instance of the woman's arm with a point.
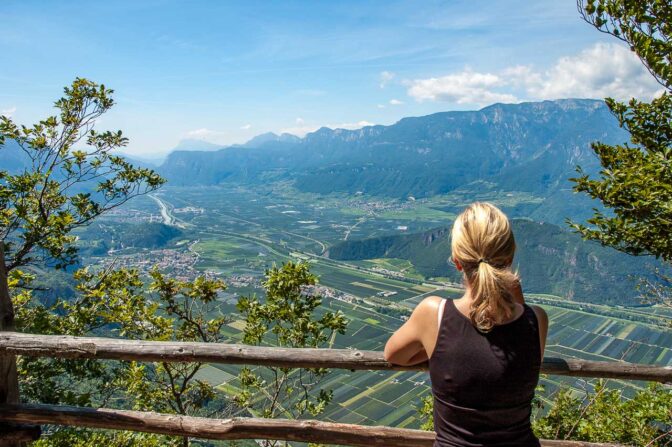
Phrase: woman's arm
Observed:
(405, 346)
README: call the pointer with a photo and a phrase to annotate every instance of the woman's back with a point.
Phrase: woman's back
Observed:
(483, 383)
(484, 367)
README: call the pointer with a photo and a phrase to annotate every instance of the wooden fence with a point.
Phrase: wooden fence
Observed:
(19, 423)
(60, 346)
(12, 344)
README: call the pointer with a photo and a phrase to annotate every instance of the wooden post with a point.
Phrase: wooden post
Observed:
(10, 436)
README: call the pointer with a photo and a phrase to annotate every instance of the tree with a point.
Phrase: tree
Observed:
(657, 290)
(287, 318)
(40, 206)
(61, 188)
(603, 415)
(635, 187)
(635, 182)
(426, 413)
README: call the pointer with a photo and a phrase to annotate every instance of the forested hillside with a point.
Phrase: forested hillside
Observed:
(549, 259)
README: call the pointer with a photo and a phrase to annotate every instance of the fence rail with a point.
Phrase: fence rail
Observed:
(13, 343)
(234, 428)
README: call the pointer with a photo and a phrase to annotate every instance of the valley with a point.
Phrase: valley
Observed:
(236, 232)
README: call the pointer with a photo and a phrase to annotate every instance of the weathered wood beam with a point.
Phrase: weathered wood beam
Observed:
(230, 429)
(9, 383)
(608, 370)
(152, 351)
(16, 434)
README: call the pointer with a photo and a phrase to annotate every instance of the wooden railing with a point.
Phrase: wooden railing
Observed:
(12, 343)
(60, 346)
(19, 423)
(234, 428)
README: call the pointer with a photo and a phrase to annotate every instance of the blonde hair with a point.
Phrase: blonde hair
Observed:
(483, 243)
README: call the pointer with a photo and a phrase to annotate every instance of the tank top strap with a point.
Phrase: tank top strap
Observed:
(442, 309)
(531, 317)
(447, 320)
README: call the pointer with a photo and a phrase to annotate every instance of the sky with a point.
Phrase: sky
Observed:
(225, 71)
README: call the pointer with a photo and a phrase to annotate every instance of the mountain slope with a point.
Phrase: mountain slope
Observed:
(532, 147)
(549, 259)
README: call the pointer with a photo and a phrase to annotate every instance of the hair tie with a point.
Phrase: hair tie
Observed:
(483, 260)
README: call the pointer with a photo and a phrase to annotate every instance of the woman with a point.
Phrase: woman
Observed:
(485, 348)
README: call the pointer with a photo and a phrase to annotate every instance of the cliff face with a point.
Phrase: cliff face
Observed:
(549, 260)
(434, 235)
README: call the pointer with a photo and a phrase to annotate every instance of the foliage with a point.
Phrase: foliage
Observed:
(603, 415)
(115, 302)
(635, 182)
(87, 438)
(635, 185)
(169, 387)
(287, 318)
(645, 25)
(40, 206)
(426, 413)
(63, 187)
(657, 290)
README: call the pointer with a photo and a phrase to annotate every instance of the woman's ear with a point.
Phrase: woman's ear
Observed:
(458, 266)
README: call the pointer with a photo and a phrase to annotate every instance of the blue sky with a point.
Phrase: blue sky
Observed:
(224, 71)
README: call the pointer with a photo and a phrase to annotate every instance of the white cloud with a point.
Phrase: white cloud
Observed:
(8, 112)
(396, 102)
(467, 87)
(246, 126)
(213, 136)
(302, 128)
(300, 131)
(600, 71)
(521, 76)
(596, 72)
(351, 126)
(385, 78)
(380, 106)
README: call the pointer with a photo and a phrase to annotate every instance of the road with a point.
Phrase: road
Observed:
(168, 218)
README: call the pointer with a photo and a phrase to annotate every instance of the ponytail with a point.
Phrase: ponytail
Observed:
(484, 245)
(492, 302)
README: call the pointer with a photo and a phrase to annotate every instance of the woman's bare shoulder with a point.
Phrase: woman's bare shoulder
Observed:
(427, 308)
(430, 303)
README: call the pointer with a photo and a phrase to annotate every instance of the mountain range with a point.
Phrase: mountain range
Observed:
(532, 147)
(529, 147)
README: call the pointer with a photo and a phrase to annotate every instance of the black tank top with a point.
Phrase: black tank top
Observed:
(483, 383)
